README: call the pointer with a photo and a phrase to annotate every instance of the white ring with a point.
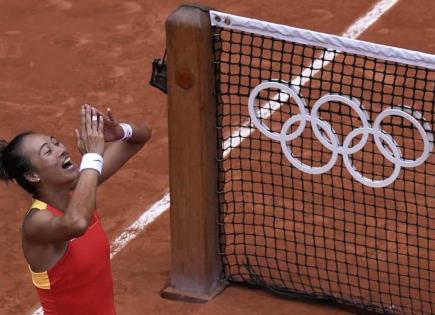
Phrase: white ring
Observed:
(94, 118)
(426, 137)
(356, 174)
(264, 128)
(331, 142)
(297, 163)
(356, 106)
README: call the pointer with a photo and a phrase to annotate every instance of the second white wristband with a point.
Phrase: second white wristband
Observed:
(92, 161)
(128, 131)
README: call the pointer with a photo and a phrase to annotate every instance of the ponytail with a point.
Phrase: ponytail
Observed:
(4, 175)
(14, 164)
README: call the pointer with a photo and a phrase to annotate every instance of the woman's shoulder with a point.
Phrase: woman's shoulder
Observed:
(37, 205)
(36, 211)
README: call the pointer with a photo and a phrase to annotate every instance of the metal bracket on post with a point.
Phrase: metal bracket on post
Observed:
(159, 74)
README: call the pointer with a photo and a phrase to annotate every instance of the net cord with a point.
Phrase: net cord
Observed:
(330, 42)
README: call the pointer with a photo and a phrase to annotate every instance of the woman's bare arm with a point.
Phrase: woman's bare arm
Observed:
(42, 226)
(119, 152)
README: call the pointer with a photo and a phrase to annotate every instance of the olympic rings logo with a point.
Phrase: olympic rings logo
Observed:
(393, 154)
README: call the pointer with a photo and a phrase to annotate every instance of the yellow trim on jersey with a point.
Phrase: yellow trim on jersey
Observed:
(37, 204)
(40, 279)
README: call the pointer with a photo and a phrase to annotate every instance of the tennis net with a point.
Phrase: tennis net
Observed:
(326, 171)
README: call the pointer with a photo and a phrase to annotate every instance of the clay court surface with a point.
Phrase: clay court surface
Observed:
(56, 55)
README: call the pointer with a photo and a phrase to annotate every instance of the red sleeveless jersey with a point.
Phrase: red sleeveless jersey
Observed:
(81, 281)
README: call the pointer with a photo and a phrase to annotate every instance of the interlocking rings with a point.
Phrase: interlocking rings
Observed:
(331, 142)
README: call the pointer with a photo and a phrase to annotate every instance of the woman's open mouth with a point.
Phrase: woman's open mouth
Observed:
(68, 164)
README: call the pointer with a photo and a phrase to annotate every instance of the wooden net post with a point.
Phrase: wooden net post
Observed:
(196, 266)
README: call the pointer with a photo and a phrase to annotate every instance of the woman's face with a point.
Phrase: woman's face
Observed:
(50, 160)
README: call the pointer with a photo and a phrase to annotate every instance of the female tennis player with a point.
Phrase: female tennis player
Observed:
(62, 238)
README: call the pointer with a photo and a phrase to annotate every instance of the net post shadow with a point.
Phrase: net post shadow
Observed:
(196, 266)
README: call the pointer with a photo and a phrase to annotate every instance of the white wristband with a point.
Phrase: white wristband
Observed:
(92, 161)
(128, 131)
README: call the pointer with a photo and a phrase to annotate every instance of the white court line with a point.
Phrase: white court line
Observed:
(245, 130)
(145, 219)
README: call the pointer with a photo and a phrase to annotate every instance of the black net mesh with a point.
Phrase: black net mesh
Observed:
(324, 236)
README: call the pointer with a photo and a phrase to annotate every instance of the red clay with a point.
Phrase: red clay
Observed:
(55, 55)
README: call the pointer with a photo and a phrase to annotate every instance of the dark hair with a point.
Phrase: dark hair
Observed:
(14, 164)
